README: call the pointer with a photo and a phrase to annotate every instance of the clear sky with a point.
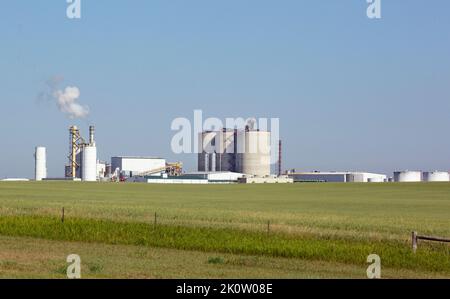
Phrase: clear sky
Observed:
(351, 93)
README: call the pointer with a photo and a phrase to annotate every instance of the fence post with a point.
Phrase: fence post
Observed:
(62, 215)
(268, 227)
(414, 241)
(155, 221)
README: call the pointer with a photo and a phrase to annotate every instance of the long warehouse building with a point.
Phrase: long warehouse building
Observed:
(132, 166)
(338, 177)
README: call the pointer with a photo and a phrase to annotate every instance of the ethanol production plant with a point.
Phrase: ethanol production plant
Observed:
(226, 156)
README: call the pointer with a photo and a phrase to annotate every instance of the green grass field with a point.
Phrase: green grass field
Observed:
(301, 230)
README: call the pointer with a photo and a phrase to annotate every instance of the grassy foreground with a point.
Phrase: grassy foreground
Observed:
(312, 223)
(37, 258)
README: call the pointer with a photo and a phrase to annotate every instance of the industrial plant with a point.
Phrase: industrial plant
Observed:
(225, 156)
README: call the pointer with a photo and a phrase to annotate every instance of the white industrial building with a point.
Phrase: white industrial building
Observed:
(132, 166)
(365, 177)
(338, 177)
(267, 180)
(224, 177)
(101, 169)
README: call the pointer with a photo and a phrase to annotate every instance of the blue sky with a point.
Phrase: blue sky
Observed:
(351, 93)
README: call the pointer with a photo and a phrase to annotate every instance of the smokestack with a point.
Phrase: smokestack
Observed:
(91, 135)
(279, 158)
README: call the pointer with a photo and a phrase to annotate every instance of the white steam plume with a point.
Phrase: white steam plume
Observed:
(67, 102)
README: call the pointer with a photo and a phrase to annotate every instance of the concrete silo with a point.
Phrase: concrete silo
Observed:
(253, 153)
(226, 150)
(206, 147)
(217, 151)
(40, 157)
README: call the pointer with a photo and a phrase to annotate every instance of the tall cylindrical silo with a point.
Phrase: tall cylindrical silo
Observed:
(407, 176)
(225, 151)
(217, 151)
(253, 156)
(89, 170)
(206, 148)
(436, 176)
(40, 163)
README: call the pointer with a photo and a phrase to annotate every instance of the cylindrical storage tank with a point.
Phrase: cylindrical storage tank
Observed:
(40, 163)
(436, 176)
(376, 180)
(253, 157)
(89, 170)
(206, 148)
(407, 176)
(225, 149)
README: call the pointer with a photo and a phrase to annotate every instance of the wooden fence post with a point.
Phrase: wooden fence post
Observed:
(414, 241)
(155, 220)
(268, 227)
(62, 215)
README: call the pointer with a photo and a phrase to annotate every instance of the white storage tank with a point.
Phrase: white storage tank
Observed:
(40, 157)
(407, 176)
(436, 176)
(89, 170)
(376, 180)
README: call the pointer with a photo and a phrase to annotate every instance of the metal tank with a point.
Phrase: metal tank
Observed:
(89, 170)
(40, 163)
(253, 153)
(436, 176)
(407, 176)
